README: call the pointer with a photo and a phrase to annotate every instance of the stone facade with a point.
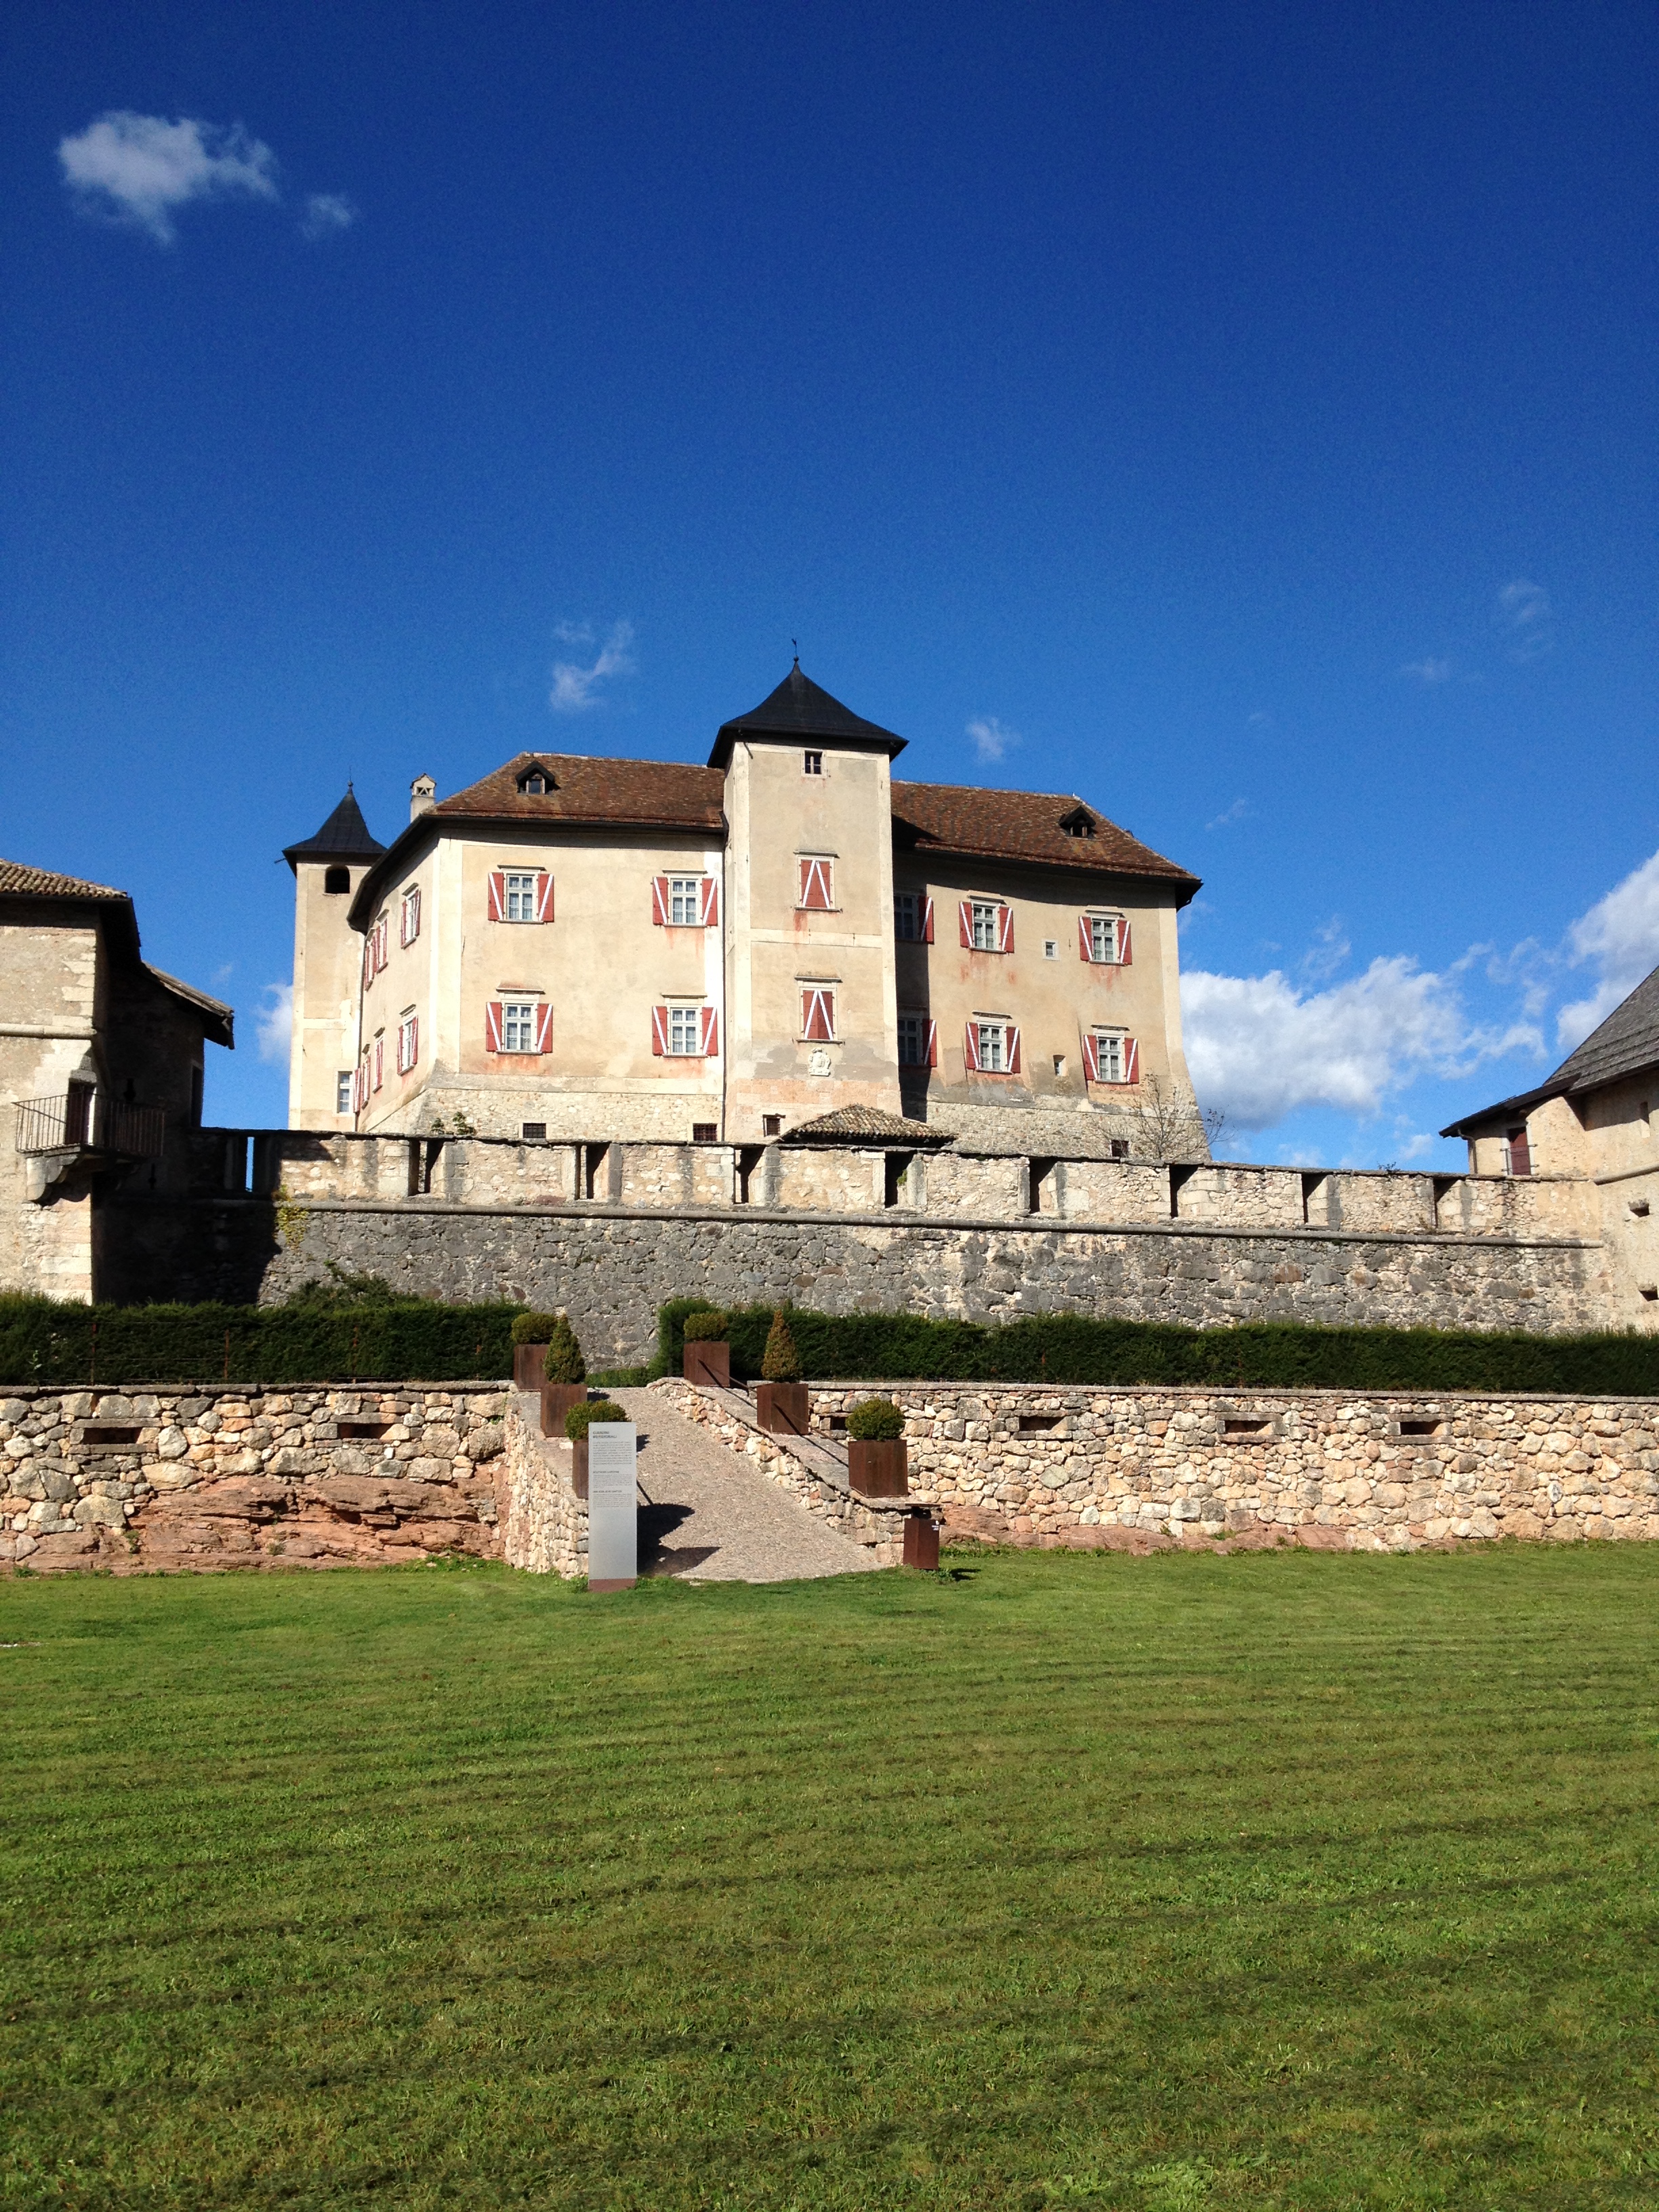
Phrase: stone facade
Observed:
(249, 1476)
(1127, 1468)
(543, 1524)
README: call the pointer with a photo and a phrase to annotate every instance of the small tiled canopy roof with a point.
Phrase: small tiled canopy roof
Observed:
(800, 708)
(22, 881)
(1624, 1044)
(865, 1125)
(1028, 826)
(344, 836)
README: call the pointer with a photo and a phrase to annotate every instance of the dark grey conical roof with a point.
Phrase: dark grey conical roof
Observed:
(344, 836)
(800, 708)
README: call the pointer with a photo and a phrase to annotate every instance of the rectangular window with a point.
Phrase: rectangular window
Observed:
(379, 1061)
(1110, 1056)
(917, 1040)
(684, 902)
(992, 1039)
(535, 1132)
(702, 1133)
(1103, 938)
(410, 918)
(985, 926)
(771, 1125)
(517, 1025)
(409, 1045)
(1051, 948)
(520, 898)
(907, 915)
(342, 1092)
(818, 1013)
(817, 884)
(812, 763)
(684, 1032)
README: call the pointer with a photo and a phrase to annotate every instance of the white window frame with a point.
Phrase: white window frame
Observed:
(1110, 1054)
(519, 1024)
(411, 906)
(1107, 928)
(982, 918)
(345, 1084)
(915, 1027)
(685, 1031)
(685, 902)
(408, 1036)
(518, 894)
(993, 1044)
(812, 763)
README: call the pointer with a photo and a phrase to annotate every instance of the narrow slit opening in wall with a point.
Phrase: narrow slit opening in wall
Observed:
(1314, 1199)
(1236, 1429)
(1179, 1178)
(749, 1159)
(363, 1433)
(1036, 1425)
(110, 1439)
(1421, 1428)
(596, 1177)
(1041, 1174)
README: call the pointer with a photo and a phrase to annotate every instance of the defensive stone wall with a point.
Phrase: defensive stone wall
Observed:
(1127, 1468)
(543, 1524)
(249, 1476)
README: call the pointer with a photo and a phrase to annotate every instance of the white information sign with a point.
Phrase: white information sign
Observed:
(613, 1513)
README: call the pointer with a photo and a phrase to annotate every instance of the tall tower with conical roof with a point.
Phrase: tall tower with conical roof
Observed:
(811, 995)
(327, 955)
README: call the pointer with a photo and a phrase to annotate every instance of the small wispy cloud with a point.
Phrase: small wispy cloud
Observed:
(991, 739)
(575, 687)
(1619, 936)
(325, 214)
(138, 170)
(1430, 670)
(273, 1023)
(1236, 812)
(1259, 721)
(1524, 611)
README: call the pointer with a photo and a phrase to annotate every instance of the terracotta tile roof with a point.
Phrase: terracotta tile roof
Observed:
(41, 883)
(586, 788)
(1025, 825)
(850, 1123)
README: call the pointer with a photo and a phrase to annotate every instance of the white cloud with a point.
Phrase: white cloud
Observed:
(1523, 609)
(990, 740)
(137, 169)
(273, 1022)
(575, 686)
(327, 212)
(1236, 812)
(1429, 671)
(1260, 1045)
(1619, 936)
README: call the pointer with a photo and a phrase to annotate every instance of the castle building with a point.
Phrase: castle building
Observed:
(577, 947)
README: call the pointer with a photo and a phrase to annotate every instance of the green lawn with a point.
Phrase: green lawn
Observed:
(1297, 1879)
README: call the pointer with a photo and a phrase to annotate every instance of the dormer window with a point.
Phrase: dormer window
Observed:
(536, 782)
(1079, 823)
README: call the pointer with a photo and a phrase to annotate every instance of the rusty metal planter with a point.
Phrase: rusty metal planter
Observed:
(784, 1407)
(878, 1468)
(529, 1366)
(922, 1542)
(708, 1361)
(557, 1399)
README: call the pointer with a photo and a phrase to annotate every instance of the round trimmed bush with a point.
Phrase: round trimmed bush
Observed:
(705, 1327)
(580, 1419)
(876, 1421)
(536, 1327)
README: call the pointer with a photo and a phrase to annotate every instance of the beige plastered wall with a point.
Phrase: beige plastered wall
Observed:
(601, 962)
(779, 814)
(52, 1002)
(328, 964)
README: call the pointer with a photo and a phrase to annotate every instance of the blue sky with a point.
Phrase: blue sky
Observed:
(1243, 417)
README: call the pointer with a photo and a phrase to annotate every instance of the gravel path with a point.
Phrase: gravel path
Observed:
(711, 1516)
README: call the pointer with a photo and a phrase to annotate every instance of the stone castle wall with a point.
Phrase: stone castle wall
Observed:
(1093, 1467)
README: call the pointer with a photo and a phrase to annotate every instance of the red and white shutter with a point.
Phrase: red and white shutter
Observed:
(359, 1087)
(414, 1038)
(544, 901)
(1004, 929)
(543, 1028)
(368, 959)
(1090, 1057)
(965, 916)
(1131, 1061)
(1085, 937)
(708, 1032)
(493, 1026)
(379, 1061)
(1013, 1049)
(1123, 946)
(970, 1049)
(708, 903)
(818, 1008)
(658, 1031)
(382, 938)
(497, 901)
(928, 924)
(815, 885)
(660, 907)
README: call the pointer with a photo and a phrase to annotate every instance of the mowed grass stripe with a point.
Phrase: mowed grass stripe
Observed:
(1270, 1880)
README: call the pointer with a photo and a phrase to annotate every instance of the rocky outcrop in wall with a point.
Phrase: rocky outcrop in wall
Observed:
(1130, 1468)
(543, 1524)
(249, 1477)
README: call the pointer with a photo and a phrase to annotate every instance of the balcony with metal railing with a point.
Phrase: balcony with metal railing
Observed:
(85, 1120)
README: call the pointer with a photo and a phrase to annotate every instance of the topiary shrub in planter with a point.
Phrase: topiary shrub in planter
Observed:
(781, 1400)
(707, 1356)
(877, 1460)
(577, 1423)
(566, 1376)
(532, 1335)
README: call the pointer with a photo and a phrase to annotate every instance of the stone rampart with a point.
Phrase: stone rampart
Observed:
(543, 1524)
(1128, 1468)
(249, 1475)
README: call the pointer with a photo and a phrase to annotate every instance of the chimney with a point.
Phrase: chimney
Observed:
(422, 796)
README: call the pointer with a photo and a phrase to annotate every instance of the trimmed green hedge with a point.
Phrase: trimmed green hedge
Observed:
(1258, 1355)
(403, 1340)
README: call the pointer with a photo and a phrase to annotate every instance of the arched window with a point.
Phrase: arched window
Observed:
(337, 880)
